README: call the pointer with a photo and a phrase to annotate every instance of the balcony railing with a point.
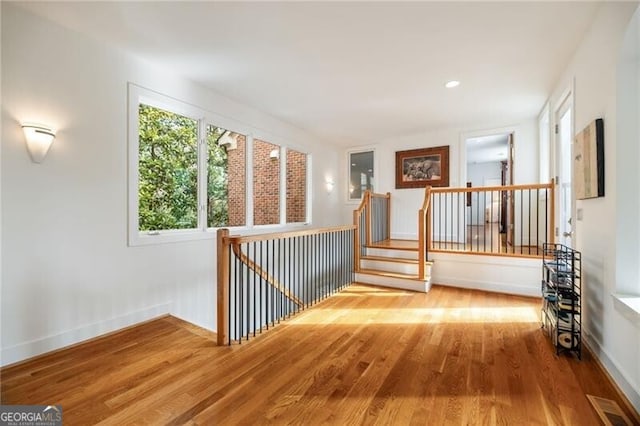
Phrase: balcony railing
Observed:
(511, 220)
(265, 279)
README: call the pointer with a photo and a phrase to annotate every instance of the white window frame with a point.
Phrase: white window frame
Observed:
(308, 189)
(544, 140)
(283, 147)
(138, 95)
(374, 181)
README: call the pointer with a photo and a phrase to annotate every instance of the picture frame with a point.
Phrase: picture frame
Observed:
(588, 161)
(418, 168)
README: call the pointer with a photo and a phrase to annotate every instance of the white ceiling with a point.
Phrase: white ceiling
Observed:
(352, 72)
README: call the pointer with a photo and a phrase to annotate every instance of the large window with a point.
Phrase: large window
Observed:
(167, 170)
(189, 173)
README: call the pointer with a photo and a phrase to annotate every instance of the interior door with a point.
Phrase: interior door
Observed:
(564, 161)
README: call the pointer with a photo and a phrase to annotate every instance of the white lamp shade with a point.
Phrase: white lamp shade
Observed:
(39, 140)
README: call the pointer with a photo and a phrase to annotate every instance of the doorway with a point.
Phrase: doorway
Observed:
(564, 198)
(489, 162)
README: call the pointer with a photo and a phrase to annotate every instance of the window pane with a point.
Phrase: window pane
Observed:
(226, 173)
(168, 170)
(266, 183)
(296, 186)
(361, 175)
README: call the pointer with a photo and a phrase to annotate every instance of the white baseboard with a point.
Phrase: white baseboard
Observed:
(36, 347)
(630, 389)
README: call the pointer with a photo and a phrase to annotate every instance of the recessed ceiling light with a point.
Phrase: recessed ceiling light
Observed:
(452, 84)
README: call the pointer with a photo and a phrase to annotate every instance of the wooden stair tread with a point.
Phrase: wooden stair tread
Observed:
(394, 259)
(408, 245)
(378, 272)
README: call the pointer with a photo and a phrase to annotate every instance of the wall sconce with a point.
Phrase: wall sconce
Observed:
(39, 140)
(275, 153)
(329, 185)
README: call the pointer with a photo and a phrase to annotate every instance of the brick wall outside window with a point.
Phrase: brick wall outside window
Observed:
(237, 177)
(266, 184)
(296, 186)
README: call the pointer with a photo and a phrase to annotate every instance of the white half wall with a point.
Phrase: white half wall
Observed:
(518, 276)
(67, 272)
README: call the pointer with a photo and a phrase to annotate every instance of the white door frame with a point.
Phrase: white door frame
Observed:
(566, 103)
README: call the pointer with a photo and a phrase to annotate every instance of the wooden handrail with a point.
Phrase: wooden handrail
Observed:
(370, 198)
(226, 244)
(512, 189)
(376, 195)
(268, 278)
(493, 188)
(240, 239)
(357, 215)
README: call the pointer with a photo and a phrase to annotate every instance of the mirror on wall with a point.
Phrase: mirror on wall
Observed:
(361, 173)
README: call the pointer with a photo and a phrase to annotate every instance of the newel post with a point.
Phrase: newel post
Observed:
(223, 254)
(356, 241)
(421, 244)
(552, 212)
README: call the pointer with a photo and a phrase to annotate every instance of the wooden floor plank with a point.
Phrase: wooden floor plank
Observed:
(365, 356)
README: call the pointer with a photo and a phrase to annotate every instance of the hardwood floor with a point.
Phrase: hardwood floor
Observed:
(365, 356)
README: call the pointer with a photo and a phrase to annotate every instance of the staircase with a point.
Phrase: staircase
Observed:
(383, 261)
(394, 264)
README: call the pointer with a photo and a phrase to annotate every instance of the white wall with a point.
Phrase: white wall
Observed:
(478, 173)
(406, 202)
(67, 272)
(614, 338)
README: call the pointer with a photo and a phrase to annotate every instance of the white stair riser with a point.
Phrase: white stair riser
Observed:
(388, 266)
(401, 254)
(404, 284)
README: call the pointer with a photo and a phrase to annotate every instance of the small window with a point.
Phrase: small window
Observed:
(361, 173)
(266, 183)
(296, 186)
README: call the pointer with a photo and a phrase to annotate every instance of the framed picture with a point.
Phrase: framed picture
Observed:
(418, 168)
(588, 161)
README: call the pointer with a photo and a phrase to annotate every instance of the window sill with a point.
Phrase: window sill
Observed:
(166, 237)
(629, 306)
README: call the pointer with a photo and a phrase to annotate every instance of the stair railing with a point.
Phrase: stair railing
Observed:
(265, 279)
(372, 222)
(514, 220)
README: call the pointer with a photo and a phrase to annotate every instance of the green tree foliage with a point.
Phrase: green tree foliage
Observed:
(168, 170)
